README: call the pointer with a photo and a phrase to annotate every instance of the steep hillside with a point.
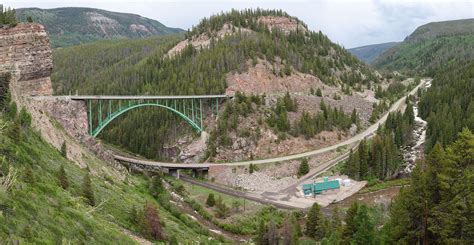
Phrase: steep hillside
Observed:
(53, 188)
(72, 26)
(448, 106)
(444, 50)
(37, 207)
(431, 47)
(252, 52)
(370, 52)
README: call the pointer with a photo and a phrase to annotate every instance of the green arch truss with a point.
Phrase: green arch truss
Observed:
(102, 110)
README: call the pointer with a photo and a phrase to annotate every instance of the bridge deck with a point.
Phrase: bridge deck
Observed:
(132, 97)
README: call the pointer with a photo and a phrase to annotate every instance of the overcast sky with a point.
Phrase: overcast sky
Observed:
(350, 23)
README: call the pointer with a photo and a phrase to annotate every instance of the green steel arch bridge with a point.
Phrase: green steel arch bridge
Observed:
(103, 109)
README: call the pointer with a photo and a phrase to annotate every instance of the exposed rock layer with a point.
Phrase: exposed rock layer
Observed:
(26, 55)
(25, 51)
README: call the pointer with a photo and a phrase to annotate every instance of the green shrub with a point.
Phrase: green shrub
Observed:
(25, 118)
(62, 177)
(303, 168)
(210, 202)
(64, 149)
(87, 191)
(319, 93)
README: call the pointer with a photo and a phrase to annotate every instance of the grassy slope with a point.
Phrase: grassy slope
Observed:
(72, 26)
(40, 211)
(244, 222)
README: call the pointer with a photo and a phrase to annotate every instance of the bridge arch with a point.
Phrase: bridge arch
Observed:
(112, 116)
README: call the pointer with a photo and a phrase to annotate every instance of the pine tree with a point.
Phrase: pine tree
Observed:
(64, 149)
(365, 233)
(222, 209)
(314, 222)
(351, 227)
(336, 222)
(25, 118)
(296, 226)
(15, 130)
(156, 186)
(363, 159)
(303, 168)
(319, 93)
(87, 191)
(62, 177)
(354, 117)
(210, 202)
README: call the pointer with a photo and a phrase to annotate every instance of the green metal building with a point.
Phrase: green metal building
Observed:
(320, 187)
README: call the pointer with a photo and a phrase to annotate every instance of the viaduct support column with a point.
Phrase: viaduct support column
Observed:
(174, 172)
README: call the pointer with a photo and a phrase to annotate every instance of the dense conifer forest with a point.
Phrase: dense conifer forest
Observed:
(431, 48)
(379, 158)
(448, 105)
(147, 70)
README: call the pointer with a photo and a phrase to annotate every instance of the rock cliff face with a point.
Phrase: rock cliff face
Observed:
(26, 55)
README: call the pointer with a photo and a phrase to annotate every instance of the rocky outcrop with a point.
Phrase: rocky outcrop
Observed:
(204, 40)
(27, 56)
(26, 53)
(282, 23)
(264, 77)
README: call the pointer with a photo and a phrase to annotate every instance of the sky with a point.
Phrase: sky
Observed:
(351, 23)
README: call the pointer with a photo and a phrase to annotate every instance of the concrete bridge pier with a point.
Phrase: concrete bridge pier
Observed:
(200, 173)
(174, 172)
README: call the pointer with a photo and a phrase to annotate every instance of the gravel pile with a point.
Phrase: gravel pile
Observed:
(262, 182)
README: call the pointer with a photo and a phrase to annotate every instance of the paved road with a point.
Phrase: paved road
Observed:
(366, 133)
(267, 198)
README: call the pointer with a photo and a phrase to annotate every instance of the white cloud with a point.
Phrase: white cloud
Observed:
(348, 22)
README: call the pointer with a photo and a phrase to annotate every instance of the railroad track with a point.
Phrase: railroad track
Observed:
(236, 193)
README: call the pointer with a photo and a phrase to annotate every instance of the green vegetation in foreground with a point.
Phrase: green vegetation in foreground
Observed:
(37, 207)
(73, 26)
(243, 216)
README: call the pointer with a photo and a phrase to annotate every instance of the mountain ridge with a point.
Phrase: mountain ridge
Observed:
(431, 47)
(368, 53)
(71, 25)
(442, 29)
(252, 52)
